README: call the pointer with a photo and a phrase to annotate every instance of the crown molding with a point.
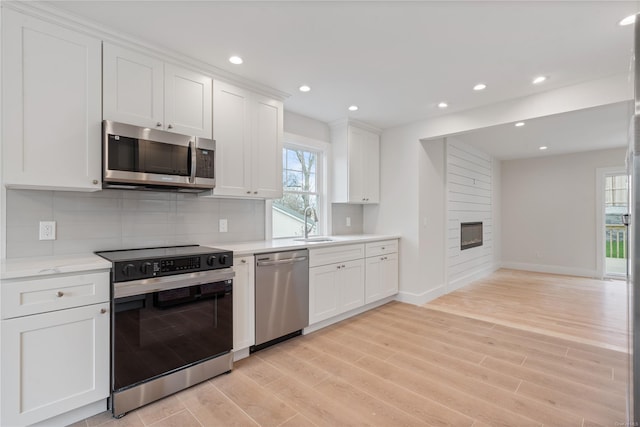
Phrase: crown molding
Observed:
(52, 14)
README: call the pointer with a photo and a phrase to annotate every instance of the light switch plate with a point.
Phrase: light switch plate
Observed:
(47, 230)
(223, 226)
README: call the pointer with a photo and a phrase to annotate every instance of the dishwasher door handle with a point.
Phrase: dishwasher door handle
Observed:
(281, 261)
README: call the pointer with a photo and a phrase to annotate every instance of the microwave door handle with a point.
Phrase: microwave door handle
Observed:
(192, 153)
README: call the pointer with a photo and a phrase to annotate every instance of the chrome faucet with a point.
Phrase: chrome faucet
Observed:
(307, 213)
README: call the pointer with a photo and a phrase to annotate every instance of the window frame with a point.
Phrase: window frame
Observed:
(299, 142)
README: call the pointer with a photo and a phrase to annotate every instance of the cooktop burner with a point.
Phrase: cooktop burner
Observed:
(136, 264)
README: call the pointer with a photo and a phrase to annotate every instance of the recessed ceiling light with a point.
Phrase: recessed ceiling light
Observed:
(631, 19)
(539, 80)
(544, 147)
(304, 88)
(443, 105)
(236, 60)
(519, 124)
(353, 108)
(480, 86)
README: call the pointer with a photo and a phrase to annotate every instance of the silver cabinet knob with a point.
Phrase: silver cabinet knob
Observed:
(103, 310)
(158, 124)
(248, 192)
(170, 126)
(244, 261)
(95, 182)
(60, 294)
(255, 192)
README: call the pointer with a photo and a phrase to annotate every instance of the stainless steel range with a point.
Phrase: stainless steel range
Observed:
(171, 323)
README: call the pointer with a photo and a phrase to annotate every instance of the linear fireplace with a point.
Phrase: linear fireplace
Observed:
(470, 235)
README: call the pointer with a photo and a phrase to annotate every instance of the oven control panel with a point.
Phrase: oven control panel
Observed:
(138, 269)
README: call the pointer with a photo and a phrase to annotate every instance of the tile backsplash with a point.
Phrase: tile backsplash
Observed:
(116, 219)
(339, 214)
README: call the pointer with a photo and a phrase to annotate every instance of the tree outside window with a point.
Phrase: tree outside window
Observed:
(300, 190)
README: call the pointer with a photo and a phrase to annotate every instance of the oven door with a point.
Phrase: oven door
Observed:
(172, 323)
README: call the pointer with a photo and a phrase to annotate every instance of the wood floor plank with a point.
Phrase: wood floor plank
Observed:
(514, 349)
(606, 396)
(256, 402)
(431, 412)
(580, 405)
(468, 404)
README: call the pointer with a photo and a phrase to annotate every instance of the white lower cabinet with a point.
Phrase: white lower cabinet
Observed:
(53, 363)
(55, 346)
(243, 303)
(335, 289)
(382, 277)
(346, 277)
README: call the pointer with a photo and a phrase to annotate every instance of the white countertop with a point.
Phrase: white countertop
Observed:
(264, 246)
(14, 268)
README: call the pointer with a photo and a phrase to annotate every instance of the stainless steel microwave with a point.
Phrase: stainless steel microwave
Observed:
(149, 159)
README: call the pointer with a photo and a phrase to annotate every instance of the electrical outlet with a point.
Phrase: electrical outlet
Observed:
(47, 230)
(223, 226)
(348, 221)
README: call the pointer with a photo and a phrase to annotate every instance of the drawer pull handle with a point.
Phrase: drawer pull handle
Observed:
(103, 310)
(383, 248)
(60, 294)
(244, 261)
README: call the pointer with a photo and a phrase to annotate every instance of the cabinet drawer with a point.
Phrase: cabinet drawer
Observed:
(23, 297)
(324, 256)
(382, 247)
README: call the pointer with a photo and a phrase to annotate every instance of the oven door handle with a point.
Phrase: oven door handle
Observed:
(156, 284)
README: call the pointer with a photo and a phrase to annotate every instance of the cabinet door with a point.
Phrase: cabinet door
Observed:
(351, 284)
(371, 167)
(356, 146)
(390, 275)
(267, 148)
(187, 102)
(324, 292)
(133, 88)
(231, 130)
(51, 106)
(53, 363)
(373, 279)
(243, 303)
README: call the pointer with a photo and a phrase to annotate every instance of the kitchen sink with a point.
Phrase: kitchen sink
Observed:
(315, 239)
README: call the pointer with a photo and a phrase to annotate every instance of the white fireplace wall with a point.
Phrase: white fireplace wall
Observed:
(470, 194)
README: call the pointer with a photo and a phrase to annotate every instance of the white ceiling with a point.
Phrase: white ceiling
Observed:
(583, 130)
(394, 59)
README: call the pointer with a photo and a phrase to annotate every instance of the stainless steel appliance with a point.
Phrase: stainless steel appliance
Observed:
(149, 159)
(282, 296)
(171, 321)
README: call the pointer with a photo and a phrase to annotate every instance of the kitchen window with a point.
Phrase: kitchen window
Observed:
(302, 179)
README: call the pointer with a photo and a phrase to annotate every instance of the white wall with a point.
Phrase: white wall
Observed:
(412, 194)
(397, 212)
(470, 199)
(549, 211)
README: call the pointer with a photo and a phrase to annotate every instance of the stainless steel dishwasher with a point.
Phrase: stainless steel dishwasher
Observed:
(282, 296)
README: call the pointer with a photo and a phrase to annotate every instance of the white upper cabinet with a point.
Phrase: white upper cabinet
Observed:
(248, 131)
(147, 92)
(51, 102)
(356, 164)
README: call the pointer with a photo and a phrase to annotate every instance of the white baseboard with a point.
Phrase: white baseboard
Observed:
(343, 316)
(76, 415)
(472, 277)
(241, 354)
(552, 269)
(422, 298)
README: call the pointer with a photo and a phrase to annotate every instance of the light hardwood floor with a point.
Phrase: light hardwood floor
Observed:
(479, 356)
